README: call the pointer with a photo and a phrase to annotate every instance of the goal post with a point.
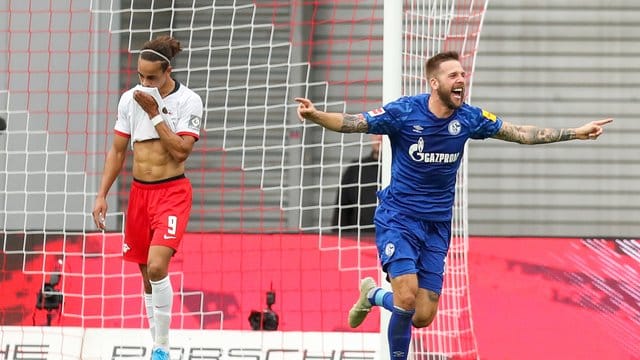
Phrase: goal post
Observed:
(392, 67)
(265, 184)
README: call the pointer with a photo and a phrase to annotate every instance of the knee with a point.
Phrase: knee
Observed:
(426, 309)
(156, 271)
(422, 320)
(425, 314)
(405, 300)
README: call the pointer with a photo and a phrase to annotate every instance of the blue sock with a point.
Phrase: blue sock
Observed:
(399, 333)
(382, 297)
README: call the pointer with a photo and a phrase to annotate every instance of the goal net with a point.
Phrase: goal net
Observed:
(267, 188)
(430, 27)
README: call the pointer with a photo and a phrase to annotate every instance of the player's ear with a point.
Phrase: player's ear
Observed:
(433, 82)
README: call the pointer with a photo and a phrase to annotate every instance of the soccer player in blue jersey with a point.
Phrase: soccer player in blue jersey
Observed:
(427, 133)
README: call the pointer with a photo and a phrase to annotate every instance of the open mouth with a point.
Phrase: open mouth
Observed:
(458, 92)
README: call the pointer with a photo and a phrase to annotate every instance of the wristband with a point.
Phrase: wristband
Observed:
(157, 119)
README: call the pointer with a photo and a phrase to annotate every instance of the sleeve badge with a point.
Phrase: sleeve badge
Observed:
(194, 122)
(489, 116)
(376, 112)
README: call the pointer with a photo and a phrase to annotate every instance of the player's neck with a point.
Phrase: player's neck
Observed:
(167, 88)
(437, 108)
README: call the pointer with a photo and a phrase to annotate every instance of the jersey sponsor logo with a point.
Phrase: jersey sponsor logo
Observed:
(416, 152)
(168, 237)
(454, 127)
(417, 129)
(489, 116)
(194, 122)
(376, 112)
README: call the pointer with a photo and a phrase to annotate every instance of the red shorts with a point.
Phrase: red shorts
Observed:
(157, 215)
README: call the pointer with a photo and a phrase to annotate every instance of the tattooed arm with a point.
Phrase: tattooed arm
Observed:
(531, 135)
(344, 123)
(526, 134)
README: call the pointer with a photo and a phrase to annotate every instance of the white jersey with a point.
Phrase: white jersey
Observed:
(184, 115)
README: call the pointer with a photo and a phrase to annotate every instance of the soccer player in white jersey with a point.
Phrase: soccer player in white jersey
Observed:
(427, 133)
(162, 137)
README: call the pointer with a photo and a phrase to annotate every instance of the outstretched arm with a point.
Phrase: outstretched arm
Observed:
(531, 135)
(344, 123)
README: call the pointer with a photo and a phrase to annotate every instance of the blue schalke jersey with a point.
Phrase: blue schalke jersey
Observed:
(426, 153)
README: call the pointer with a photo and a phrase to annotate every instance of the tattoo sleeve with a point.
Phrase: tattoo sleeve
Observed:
(531, 135)
(354, 124)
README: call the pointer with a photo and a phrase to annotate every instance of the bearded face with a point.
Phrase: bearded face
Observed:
(452, 97)
(451, 84)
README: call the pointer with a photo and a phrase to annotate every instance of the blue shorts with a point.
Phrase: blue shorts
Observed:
(407, 245)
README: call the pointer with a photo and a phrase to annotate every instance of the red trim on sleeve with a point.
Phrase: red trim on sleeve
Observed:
(188, 133)
(120, 133)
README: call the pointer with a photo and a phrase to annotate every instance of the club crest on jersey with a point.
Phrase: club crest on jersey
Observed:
(454, 127)
(376, 112)
(489, 116)
(389, 249)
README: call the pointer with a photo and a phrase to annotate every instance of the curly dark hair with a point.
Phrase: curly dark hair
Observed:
(163, 44)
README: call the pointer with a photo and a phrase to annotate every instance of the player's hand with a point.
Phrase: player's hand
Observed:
(592, 130)
(305, 108)
(146, 102)
(99, 213)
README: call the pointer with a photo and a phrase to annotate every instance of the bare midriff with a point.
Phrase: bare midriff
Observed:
(152, 162)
